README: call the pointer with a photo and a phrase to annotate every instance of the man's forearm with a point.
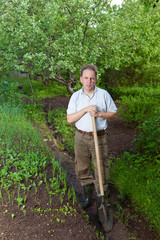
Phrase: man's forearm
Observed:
(71, 118)
(107, 115)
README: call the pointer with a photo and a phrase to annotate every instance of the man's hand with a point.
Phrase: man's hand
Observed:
(71, 118)
(104, 115)
(92, 109)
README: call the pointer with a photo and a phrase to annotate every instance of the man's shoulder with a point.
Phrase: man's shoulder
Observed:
(101, 91)
(76, 94)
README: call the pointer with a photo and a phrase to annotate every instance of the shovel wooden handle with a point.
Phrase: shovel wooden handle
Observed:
(97, 156)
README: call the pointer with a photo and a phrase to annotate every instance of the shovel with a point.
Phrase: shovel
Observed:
(104, 211)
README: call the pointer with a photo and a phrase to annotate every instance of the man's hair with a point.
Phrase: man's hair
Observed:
(90, 67)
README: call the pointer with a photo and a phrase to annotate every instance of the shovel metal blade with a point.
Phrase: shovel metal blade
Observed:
(105, 216)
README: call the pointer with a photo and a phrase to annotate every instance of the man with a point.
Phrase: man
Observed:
(85, 103)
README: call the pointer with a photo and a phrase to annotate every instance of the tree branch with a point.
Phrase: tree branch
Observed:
(85, 30)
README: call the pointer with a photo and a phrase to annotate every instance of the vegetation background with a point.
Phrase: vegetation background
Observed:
(48, 41)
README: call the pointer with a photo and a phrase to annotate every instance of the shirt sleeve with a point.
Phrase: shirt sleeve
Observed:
(72, 106)
(111, 107)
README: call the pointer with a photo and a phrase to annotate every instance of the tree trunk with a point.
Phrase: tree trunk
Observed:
(69, 88)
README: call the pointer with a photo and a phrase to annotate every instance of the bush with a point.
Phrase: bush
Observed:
(41, 91)
(9, 92)
(64, 130)
(137, 175)
(141, 185)
(134, 91)
(135, 110)
(148, 142)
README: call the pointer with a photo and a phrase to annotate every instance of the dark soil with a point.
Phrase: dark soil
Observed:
(42, 222)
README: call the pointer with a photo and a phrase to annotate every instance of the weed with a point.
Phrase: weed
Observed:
(5, 211)
(24, 210)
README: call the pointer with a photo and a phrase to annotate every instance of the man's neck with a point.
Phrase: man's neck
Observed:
(89, 93)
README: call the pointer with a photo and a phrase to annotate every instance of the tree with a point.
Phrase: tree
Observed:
(130, 36)
(50, 38)
(149, 3)
(53, 38)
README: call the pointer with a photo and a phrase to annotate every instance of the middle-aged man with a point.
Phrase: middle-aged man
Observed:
(85, 103)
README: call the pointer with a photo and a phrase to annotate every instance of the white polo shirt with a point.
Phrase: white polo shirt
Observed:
(100, 98)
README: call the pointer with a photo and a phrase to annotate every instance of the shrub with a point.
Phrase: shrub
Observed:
(134, 91)
(9, 93)
(148, 142)
(41, 91)
(135, 110)
(140, 184)
(137, 175)
(64, 130)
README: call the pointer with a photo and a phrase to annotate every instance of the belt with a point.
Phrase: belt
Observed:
(99, 133)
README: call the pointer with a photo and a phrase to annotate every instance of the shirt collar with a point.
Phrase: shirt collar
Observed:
(95, 90)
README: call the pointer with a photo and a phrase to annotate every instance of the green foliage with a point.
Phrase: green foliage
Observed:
(52, 39)
(23, 154)
(148, 91)
(9, 92)
(149, 4)
(141, 185)
(137, 174)
(35, 112)
(148, 142)
(135, 110)
(62, 128)
(24, 157)
(10, 95)
(42, 91)
(133, 48)
(137, 104)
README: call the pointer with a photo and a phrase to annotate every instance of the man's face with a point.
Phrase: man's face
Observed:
(88, 80)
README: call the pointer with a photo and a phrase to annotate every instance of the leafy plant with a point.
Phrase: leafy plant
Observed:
(64, 131)
(9, 92)
(24, 157)
(148, 141)
(41, 91)
(148, 90)
(35, 112)
(137, 174)
(135, 110)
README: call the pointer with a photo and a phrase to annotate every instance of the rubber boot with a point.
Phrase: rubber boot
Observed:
(88, 191)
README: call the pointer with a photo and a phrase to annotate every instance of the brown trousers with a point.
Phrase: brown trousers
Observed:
(84, 152)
